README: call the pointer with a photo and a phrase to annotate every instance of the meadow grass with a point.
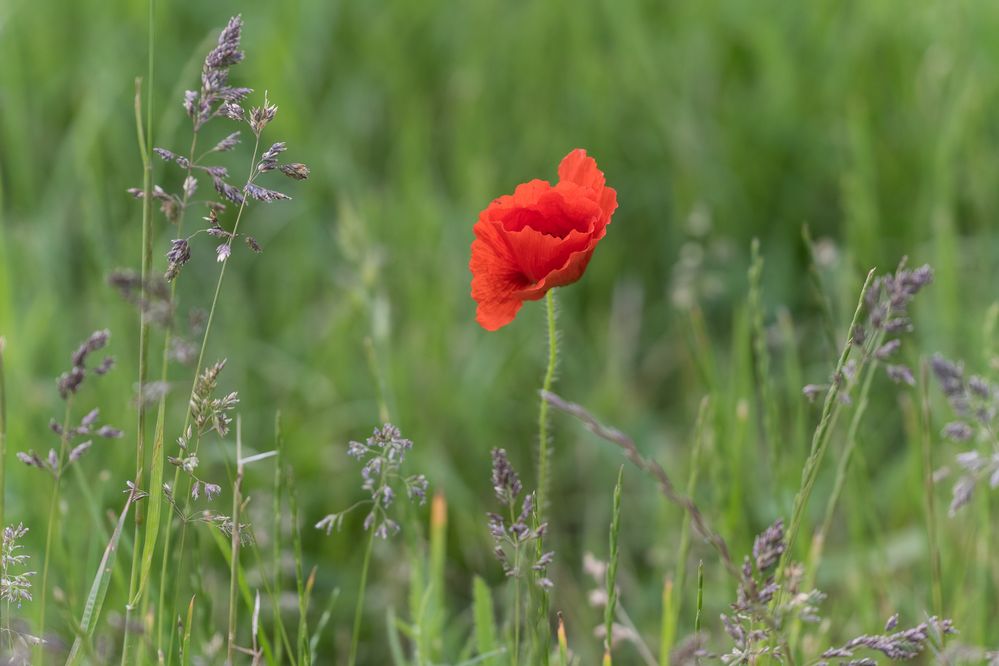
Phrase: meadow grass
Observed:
(725, 128)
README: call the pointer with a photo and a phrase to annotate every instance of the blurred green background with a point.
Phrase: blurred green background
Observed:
(717, 122)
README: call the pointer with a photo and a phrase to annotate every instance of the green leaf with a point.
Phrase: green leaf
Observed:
(155, 505)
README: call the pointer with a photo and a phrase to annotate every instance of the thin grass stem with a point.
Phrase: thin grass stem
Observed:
(612, 563)
(766, 403)
(936, 573)
(53, 517)
(821, 437)
(234, 562)
(144, 138)
(700, 596)
(359, 609)
(276, 545)
(3, 433)
(161, 611)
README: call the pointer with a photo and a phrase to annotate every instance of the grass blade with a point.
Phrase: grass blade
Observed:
(321, 625)
(99, 588)
(485, 619)
(612, 563)
(395, 645)
(820, 438)
(155, 506)
(185, 645)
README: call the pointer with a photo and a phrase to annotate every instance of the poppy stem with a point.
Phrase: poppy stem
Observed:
(543, 438)
(542, 630)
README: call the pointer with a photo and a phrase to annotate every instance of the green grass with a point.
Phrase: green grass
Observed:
(717, 122)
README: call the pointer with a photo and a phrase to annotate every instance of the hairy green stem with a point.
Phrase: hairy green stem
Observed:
(543, 443)
(542, 629)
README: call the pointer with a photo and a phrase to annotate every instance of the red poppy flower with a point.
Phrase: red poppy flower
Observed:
(538, 238)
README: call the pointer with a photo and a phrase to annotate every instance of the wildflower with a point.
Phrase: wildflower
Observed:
(538, 238)
(898, 646)
(973, 400)
(15, 587)
(754, 622)
(383, 455)
(512, 535)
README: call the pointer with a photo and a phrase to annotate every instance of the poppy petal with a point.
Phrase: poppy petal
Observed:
(493, 315)
(570, 271)
(578, 167)
(537, 254)
(496, 274)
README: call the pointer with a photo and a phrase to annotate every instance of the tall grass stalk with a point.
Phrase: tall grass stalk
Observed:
(819, 539)
(700, 435)
(234, 563)
(359, 609)
(99, 587)
(167, 539)
(5, 608)
(3, 433)
(825, 305)
(438, 561)
(515, 649)
(673, 603)
(161, 610)
(300, 583)
(144, 138)
(936, 572)
(667, 628)
(700, 596)
(843, 466)
(276, 537)
(52, 519)
(612, 562)
(766, 403)
(821, 437)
